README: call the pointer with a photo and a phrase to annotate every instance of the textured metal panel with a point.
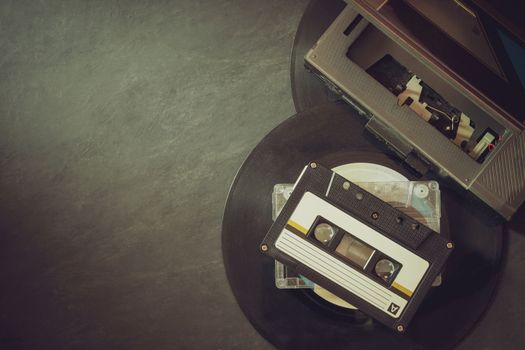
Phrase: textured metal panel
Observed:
(328, 57)
(502, 183)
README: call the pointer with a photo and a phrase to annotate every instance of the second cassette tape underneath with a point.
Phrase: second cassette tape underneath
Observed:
(357, 246)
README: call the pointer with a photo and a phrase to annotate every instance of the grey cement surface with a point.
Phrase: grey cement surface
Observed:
(122, 124)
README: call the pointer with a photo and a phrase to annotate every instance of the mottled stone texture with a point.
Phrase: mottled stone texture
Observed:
(122, 124)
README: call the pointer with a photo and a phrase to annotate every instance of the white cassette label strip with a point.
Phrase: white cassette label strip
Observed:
(414, 267)
(345, 276)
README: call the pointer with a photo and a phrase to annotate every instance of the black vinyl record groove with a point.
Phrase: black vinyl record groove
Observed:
(297, 319)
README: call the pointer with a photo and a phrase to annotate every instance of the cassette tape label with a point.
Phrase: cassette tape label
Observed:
(414, 267)
(320, 261)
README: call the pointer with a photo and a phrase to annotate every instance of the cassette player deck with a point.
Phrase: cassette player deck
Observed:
(408, 68)
(357, 246)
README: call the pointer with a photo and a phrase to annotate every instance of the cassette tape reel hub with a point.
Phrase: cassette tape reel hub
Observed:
(385, 269)
(324, 233)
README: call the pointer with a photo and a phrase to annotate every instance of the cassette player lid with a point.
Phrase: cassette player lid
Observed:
(357, 246)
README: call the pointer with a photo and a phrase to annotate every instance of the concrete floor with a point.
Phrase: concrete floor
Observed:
(122, 124)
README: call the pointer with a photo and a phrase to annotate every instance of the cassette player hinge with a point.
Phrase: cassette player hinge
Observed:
(396, 144)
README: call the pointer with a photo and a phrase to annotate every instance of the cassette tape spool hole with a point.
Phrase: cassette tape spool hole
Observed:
(385, 269)
(324, 233)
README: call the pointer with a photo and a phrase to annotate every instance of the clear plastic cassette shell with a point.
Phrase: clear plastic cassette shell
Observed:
(419, 199)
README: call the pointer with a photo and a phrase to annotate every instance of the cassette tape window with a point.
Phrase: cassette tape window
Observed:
(354, 250)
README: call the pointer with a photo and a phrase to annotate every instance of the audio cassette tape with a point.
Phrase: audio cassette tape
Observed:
(357, 246)
(419, 199)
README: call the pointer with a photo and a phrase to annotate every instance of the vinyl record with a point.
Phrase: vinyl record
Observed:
(307, 90)
(333, 134)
